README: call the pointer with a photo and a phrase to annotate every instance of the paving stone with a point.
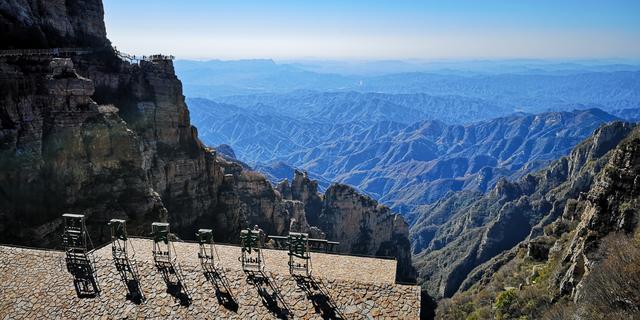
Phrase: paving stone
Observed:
(35, 284)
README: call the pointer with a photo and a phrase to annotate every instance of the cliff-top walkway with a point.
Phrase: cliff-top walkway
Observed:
(44, 52)
(36, 284)
(65, 52)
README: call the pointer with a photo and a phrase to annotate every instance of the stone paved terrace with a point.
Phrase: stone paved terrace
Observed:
(35, 284)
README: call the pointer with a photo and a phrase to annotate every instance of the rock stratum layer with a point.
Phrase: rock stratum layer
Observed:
(91, 133)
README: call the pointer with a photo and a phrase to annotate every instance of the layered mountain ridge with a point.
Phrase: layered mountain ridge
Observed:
(532, 86)
(402, 165)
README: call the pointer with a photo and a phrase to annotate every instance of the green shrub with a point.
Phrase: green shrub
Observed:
(505, 304)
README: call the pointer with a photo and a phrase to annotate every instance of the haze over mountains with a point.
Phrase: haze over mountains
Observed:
(402, 165)
(405, 138)
(531, 86)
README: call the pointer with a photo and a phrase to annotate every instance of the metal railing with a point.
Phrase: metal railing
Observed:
(136, 59)
(78, 51)
(108, 243)
(317, 245)
(44, 52)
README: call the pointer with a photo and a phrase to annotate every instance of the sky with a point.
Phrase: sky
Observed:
(377, 30)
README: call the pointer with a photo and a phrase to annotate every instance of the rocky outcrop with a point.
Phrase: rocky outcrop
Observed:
(359, 223)
(60, 151)
(284, 188)
(97, 135)
(51, 24)
(363, 226)
(266, 207)
(306, 190)
(584, 262)
(479, 228)
(611, 205)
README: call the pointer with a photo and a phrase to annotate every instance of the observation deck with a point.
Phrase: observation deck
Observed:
(34, 283)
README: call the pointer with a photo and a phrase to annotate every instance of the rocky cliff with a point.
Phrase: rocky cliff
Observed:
(52, 24)
(359, 223)
(581, 260)
(61, 151)
(365, 227)
(610, 206)
(95, 134)
(459, 233)
(92, 133)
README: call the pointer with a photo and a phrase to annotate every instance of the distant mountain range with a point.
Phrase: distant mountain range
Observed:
(631, 114)
(421, 163)
(342, 107)
(530, 86)
(526, 92)
(405, 138)
(403, 165)
(261, 128)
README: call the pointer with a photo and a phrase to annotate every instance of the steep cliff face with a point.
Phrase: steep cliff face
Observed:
(306, 190)
(52, 23)
(611, 205)
(169, 164)
(479, 228)
(365, 227)
(584, 262)
(91, 133)
(60, 151)
(180, 169)
(366, 224)
(359, 223)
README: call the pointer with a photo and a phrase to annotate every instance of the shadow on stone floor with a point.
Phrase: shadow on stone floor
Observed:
(319, 296)
(130, 278)
(224, 295)
(269, 293)
(173, 278)
(85, 280)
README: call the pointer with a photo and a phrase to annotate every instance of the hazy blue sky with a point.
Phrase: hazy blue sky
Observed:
(368, 29)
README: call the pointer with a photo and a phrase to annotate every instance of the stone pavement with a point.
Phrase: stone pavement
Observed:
(35, 284)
